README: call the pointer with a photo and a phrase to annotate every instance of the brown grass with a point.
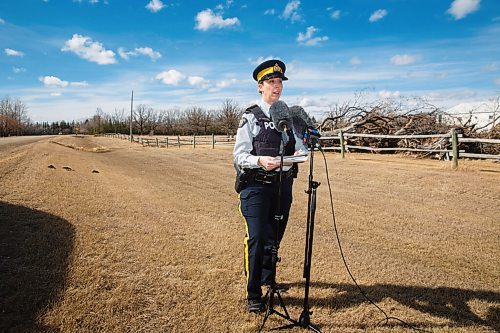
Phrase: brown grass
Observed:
(154, 242)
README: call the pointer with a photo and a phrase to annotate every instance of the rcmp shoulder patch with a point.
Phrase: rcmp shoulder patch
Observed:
(243, 121)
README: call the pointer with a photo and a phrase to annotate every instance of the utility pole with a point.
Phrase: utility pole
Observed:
(131, 114)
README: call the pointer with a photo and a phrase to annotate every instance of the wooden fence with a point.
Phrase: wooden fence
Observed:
(343, 146)
(454, 152)
(177, 141)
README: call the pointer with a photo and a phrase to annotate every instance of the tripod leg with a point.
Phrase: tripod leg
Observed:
(282, 304)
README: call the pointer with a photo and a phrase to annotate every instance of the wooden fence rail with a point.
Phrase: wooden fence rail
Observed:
(177, 141)
(455, 139)
(343, 147)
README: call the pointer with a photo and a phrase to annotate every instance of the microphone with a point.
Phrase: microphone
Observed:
(303, 124)
(300, 119)
(280, 115)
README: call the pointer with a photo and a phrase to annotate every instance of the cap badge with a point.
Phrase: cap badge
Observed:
(277, 68)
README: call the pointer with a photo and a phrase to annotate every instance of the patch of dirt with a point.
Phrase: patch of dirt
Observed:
(80, 143)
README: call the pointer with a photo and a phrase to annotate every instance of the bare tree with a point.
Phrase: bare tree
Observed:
(198, 120)
(155, 119)
(228, 117)
(170, 121)
(98, 118)
(118, 120)
(141, 117)
(13, 116)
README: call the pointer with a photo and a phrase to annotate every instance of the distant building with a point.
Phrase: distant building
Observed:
(483, 114)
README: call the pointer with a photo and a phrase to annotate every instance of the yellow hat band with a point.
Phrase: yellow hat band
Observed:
(269, 70)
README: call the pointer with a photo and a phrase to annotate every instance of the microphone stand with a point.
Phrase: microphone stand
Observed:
(305, 317)
(273, 290)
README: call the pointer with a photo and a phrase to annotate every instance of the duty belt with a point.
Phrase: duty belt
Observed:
(269, 177)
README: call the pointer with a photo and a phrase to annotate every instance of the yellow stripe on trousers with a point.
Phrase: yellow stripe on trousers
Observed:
(245, 242)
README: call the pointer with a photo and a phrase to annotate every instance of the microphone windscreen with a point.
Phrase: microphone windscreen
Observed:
(300, 119)
(280, 115)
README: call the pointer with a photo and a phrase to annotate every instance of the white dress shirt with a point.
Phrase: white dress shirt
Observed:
(247, 131)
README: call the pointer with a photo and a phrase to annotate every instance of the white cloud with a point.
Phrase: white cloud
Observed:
(222, 84)
(124, 54)
(389, 94)
(291, 11)
(80, 1)
(355, 61)
(461, 8)
(206, 20)
(197, 81)
(18, 70)
(270, 12)
(335, 15)
(171, 77)
(79, 84)
(260, 60)
(147, 51)
(53, 81)
(221, 6)
(226, 83)
(378, 15)
(89, 50)
(155, 6)
(307, 102)
(404, 59)
(308, 39)
(2, 21)
(13, 53)
(56, 94)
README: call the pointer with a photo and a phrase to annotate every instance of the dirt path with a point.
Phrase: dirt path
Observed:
(115, 237)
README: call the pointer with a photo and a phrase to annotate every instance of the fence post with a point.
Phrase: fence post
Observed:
(167, 141)
(213, 141)
(179, 140)
(157, 144)
(194, 141)
(454, 148)
(342, 148)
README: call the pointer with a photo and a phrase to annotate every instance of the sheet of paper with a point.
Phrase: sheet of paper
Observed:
(289, 160)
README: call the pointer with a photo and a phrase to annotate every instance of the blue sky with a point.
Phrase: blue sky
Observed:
(66, 58)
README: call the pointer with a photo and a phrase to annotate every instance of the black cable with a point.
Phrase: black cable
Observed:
(387, 318)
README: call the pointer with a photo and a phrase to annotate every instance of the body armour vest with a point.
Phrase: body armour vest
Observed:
(268, 141)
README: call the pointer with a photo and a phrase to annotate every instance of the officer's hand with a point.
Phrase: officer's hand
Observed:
(268, 162)
(299, 152)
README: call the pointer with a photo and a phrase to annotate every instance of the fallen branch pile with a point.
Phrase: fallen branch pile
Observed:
(391, 118)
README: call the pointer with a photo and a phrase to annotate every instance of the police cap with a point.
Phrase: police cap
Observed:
(270, 69)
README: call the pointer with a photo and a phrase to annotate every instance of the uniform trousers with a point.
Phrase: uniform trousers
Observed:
(258, 204)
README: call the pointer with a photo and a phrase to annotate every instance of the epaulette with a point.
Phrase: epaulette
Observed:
(251, 109)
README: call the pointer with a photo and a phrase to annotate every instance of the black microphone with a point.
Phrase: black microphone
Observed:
(300, 119)
(280, 115)
(303, 124)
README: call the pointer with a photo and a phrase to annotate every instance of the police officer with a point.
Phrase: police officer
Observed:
(257, 144)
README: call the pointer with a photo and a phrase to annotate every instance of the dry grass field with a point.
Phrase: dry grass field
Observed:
(116, 237)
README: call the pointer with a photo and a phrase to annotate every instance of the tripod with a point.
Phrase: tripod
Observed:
(273, 291)
(305, 317)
